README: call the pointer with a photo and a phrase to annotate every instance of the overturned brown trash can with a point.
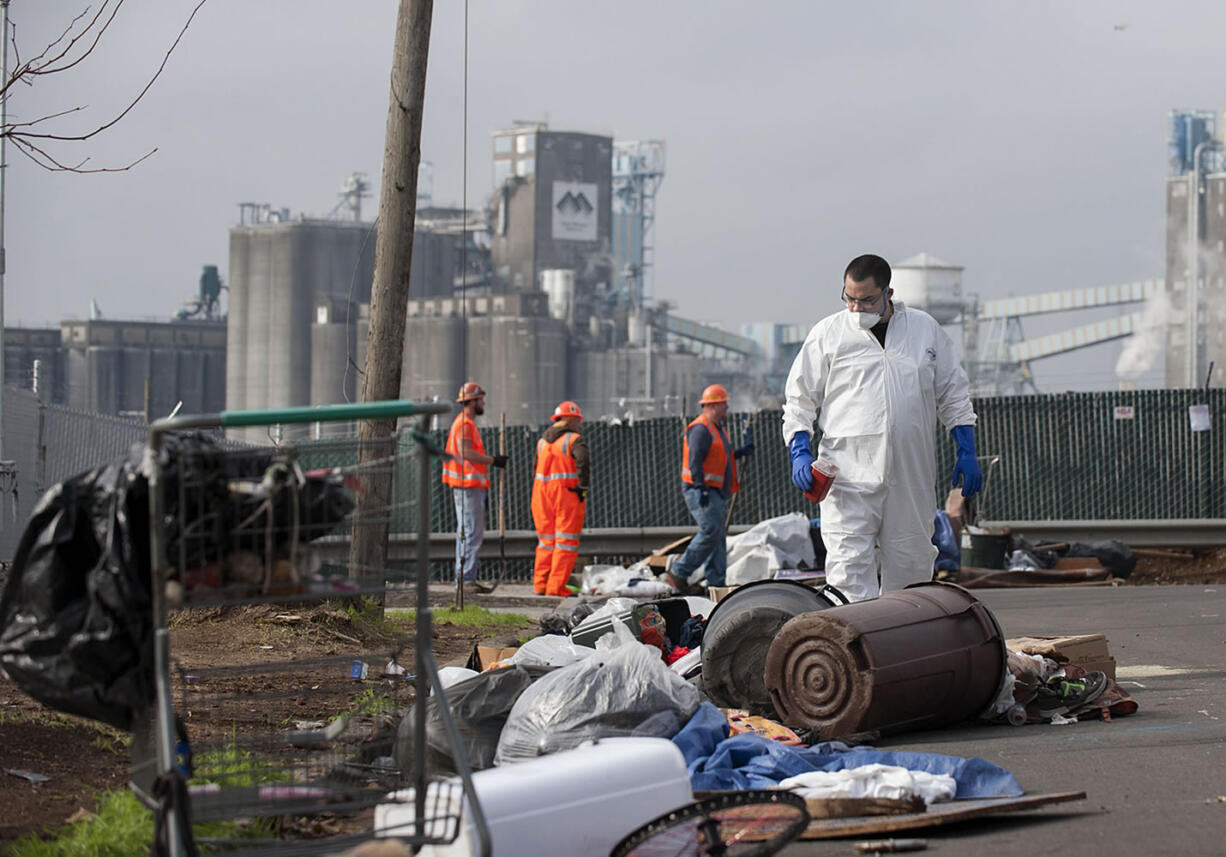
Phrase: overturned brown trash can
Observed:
(922, 657)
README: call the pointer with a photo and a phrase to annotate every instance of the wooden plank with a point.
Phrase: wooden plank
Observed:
(851, 807)
(848, 807)
(937, 815)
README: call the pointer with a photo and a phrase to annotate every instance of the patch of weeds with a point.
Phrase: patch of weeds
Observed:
(369, 703)
(231, 766)
(122, 826)
(472, 616)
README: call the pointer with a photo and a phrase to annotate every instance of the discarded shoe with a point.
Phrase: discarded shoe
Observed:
(683, 587)
(1061, 695)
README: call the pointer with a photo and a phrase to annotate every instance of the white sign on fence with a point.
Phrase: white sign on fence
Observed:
(1125, 412)
(1198, 416)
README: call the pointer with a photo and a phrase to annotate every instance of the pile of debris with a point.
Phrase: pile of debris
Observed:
(779, 686)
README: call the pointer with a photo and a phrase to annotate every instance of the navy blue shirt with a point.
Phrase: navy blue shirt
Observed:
(700, 444)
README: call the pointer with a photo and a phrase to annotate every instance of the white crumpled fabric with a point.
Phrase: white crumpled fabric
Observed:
(768, 546)
(874, 780)
(634, 582)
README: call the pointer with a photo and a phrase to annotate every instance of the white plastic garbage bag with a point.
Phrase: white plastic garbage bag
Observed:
(549, 650)
(610, 694)
(876, 780)
(787, 534)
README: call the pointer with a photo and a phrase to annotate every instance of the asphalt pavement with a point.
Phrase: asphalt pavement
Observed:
(1155, 781)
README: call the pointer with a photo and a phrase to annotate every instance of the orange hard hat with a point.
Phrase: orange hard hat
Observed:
(567, 410)
(713, 395)
(469, 391)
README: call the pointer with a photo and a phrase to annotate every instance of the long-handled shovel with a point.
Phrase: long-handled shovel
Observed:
(502, 503)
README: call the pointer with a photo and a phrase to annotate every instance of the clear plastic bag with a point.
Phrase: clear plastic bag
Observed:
(611, 694)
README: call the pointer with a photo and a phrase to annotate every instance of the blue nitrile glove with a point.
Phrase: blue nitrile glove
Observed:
(705, 498)
(966, 465)
(746, 449)
(802, 461)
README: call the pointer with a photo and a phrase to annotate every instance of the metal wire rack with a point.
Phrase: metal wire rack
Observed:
(235, 529)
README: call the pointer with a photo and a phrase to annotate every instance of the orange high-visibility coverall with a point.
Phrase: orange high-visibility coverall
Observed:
(557, 512)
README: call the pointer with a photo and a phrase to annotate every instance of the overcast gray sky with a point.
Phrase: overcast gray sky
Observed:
(1026, 141)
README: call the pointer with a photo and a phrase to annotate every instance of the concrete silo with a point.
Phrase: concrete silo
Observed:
(925, 282)
(434, 352)
(332, 343)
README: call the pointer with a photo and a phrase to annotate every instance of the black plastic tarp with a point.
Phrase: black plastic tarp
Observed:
(76, 621)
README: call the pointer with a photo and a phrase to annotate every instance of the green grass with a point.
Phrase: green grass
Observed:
(122, 827)
(369, 702)
(471, 616)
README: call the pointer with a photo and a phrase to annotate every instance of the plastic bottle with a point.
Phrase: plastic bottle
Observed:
(824, 472)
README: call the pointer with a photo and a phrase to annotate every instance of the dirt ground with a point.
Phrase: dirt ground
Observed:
(81, 758)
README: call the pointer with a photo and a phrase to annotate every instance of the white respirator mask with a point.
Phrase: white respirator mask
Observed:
(866, 320)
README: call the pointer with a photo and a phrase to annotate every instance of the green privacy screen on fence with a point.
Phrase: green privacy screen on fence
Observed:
(1086, 456)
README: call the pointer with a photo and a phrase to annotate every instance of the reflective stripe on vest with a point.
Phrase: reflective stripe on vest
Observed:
(457, 472)
(554, 463)
(718, 458)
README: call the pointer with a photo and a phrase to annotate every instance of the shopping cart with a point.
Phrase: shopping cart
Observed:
(272, 530)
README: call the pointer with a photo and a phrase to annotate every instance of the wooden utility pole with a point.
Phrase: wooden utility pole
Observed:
(389, 293)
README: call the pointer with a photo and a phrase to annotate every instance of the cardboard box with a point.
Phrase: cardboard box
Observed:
(483, 657)
(1088, 651)
(715, 593)
(658, 559)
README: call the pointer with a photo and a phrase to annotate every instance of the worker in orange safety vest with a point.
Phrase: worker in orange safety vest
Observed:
(466, 471)
(708, 479)
(559, 499)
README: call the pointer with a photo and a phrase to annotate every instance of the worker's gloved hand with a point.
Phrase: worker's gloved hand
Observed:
(746, 449)
(802, 461)
(705, 496)
(582, 492)
(499, 461)
(967, 464)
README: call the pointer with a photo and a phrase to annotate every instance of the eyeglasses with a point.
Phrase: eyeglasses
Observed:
(865, 303)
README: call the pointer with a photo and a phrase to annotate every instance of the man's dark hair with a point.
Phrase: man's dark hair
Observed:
(868, 265)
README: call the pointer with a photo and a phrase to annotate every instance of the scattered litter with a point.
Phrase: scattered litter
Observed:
(359, 670)
(394, 668)
(265, 647)
(1218, 799)
(1061, 720)
(29, 775)
(309, 724)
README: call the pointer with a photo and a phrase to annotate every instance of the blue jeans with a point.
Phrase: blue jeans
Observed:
(710, 545)
(470, 530)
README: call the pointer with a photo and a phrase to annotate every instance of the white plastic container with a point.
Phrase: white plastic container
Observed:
(579, 803)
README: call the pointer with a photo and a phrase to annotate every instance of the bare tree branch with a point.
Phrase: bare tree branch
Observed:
(49, 163)
(23, 134)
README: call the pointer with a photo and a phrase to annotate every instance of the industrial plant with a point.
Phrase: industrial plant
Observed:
(546, 292)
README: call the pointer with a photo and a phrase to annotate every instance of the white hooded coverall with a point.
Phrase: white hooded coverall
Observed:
(876, 409)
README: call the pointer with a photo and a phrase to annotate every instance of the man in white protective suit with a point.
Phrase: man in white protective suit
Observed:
(875, 379)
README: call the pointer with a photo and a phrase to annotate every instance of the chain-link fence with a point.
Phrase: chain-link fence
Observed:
(1084, 456)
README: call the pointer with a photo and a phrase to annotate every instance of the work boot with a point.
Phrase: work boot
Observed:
(683, 587)
(472, 587)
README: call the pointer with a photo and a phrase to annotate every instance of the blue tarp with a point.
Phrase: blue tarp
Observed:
(716, 762)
